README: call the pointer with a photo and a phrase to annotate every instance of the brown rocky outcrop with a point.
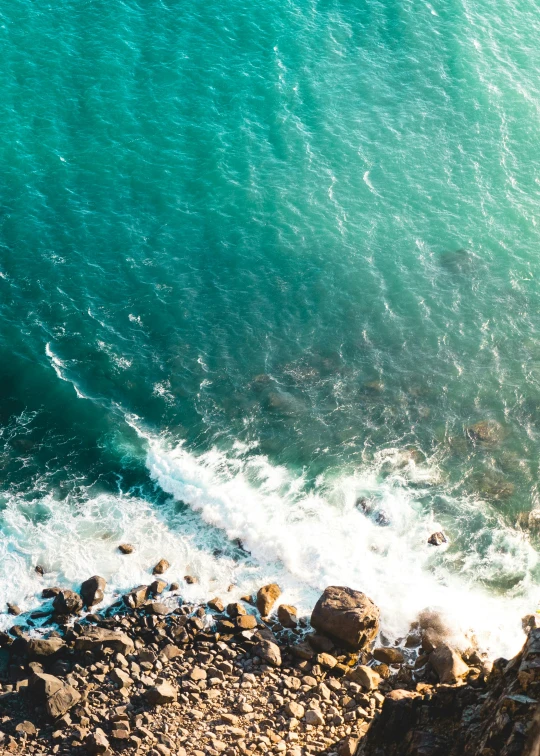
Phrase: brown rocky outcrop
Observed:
(267, 597)
(346, 615)
(93, 591)
(67, 602)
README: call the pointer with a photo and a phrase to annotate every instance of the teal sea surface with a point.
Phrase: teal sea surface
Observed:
(263, 266)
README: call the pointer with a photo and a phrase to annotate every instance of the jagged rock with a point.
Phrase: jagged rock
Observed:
(171, 651)
(269, 652)
(48, 593)
(67, 602)
(348, 746)
(44, 646)
(161, 693)
(94, 637)
(267, 597)
(126, 548)
(121, 678)
(216, 604)
(327, 661)
(437, 539)
(14, 610)
(136, 597)
(57, 697)
(97, 742)
(39, 570)
(287, 615)
(388, 655)
(161, 567)
(368, 678)
(235, 610)
(62, 701)
(348, 615)
(93, 591)
(190, 579)
(447, 664)
(157, 587)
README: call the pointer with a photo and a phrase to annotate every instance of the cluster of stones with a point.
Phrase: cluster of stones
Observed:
(156, 676)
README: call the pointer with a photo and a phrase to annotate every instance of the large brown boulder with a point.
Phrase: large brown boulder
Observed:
(44, 646)
(267, 597)
(93, 590)
(348, 616)
(57, 697)
(67, 602)
(100, 637)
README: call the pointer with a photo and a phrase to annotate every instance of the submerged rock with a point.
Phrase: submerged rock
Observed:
(347, 615)
(488, 432)
(493, 486)
(126, 548)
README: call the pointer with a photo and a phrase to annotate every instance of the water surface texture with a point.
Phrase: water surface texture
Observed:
(261, 266)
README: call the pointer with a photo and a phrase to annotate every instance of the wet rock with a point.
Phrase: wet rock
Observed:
(267, 597)
(158, 608)
(488, 432)
(67, 602)
(448, 666)
(287, 615)
(161, 567)
(235, 610)
(48, 593)
(190, 579)
(38, 647)
(303, 650)
(93, 591)
(216, 604)
(436, 539)
(269, 652)
(136, 597)
(388, 655)
(39, 570)
(347, 615)
(97, 742)
(157, 587)
(97, 637)
(161, 693)
(14, 610)
(126, 548)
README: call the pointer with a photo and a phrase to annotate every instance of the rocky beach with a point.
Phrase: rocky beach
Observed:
(154, 675)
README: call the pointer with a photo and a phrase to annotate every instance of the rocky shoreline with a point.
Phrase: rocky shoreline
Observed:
(154, 675)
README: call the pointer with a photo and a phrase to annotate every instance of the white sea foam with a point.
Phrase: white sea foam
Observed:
(59, 368)
(303, 538)
(307, 540)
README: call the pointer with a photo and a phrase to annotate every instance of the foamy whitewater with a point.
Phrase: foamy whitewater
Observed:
(262, 267)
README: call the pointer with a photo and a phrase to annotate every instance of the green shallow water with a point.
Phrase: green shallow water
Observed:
(299, 237)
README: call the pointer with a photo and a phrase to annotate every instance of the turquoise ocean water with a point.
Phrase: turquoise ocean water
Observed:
(252, 255)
